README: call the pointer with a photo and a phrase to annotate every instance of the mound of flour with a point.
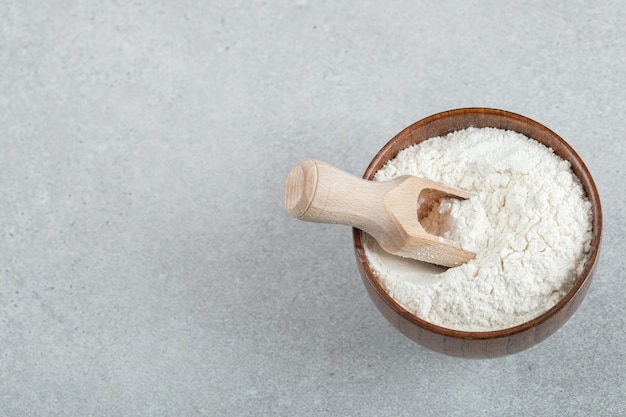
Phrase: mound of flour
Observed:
(529, 224)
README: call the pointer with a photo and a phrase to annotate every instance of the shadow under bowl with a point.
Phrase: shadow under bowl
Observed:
(482, 344)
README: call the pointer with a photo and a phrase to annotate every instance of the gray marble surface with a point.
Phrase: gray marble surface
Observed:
(147, 265)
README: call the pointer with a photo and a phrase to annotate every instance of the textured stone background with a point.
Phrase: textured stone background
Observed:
(147, 266)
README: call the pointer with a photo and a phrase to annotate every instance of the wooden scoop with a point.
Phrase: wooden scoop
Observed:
(389, 211)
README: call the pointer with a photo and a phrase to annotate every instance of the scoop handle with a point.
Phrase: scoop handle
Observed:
(318, 192)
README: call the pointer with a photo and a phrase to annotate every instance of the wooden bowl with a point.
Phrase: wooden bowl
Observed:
(483, 344)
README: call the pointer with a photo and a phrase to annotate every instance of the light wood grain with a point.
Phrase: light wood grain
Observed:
(389, 211)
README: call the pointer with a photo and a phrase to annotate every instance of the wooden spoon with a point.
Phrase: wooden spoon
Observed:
(389, 211)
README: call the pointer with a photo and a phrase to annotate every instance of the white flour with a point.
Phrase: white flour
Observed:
(529, 224)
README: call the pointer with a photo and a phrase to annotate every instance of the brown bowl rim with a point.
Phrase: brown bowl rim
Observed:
(587, 273)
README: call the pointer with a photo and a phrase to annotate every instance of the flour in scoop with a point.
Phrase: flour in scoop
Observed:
(529, 224)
